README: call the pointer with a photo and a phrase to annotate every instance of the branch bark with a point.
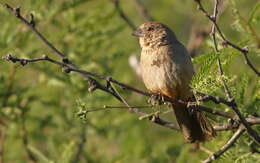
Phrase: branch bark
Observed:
(227, 146)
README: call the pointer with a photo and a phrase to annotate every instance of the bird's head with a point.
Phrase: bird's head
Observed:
(154, 34)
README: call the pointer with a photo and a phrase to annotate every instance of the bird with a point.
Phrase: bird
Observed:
(167, 69)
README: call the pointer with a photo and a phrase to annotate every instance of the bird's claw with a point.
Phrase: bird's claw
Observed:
(191, 110)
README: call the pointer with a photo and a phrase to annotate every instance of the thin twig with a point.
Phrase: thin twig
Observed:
(122, 14)
(227, 146)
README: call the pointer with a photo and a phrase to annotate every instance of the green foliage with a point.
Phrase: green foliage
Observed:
(205, 80)
(93, 36)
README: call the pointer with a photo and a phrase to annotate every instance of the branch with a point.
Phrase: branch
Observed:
(227, 146)
(226, 41)
(215, 99)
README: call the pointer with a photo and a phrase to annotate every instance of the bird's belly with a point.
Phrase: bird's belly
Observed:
(157, 75)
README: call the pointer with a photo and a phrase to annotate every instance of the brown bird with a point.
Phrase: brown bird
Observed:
(167, 69)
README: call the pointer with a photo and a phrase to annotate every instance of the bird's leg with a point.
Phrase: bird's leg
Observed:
(156, 99)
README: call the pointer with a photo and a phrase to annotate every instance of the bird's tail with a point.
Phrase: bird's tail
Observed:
(195, 126)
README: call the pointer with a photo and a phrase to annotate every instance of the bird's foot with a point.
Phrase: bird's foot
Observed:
(156, 99)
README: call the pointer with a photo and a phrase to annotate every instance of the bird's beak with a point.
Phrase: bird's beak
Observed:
(138, 33)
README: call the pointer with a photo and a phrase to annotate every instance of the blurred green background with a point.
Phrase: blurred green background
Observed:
(39, 103)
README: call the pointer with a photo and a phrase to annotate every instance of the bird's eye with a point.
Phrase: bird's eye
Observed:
(150, 29)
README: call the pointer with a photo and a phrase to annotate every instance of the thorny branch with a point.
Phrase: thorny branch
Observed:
(215, 27)
(244, 51)
(94, 84)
